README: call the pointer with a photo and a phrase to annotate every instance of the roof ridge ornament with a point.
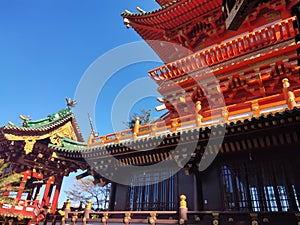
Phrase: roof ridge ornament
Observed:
(70, 103)
(140, 10)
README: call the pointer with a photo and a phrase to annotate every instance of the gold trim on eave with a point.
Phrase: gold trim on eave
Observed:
(64, 131)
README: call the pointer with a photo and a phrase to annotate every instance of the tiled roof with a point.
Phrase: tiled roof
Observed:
(69, 145)
(126, 13)
(283, 117)
(52, 121)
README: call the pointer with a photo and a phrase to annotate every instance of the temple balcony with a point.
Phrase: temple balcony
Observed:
(243, 45)
(231, 113)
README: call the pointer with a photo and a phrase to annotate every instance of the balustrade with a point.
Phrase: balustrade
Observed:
(275, 103)
(241, 45)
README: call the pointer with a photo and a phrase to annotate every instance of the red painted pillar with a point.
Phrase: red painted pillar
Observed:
(47, 195)
(26, 175)
(56, 194)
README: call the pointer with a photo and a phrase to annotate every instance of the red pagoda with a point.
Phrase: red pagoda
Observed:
(231, 65)
(231, 75)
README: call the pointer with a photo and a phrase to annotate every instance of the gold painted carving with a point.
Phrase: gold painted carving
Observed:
(29, 143)
(56, 139)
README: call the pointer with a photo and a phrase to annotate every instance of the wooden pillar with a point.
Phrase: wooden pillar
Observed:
(200, 198)
(46, 198)
(26, 176)
(58, 183)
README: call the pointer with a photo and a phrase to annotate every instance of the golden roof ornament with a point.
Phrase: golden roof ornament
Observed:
(70, 103)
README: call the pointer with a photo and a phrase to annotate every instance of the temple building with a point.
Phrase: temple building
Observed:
(226, 151)
(44, 152)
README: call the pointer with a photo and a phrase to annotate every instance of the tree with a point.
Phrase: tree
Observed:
(9, 182)
(84, 190)
(145, 118)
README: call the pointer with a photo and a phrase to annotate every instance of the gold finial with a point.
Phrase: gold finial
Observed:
(182, 201)
(285, 83)
(152, 218)
(198, 106)
(68, 204)
(127, 218)
(104, 218)
(153, 214)
(137, 119)
(136, 127)
(89, 204)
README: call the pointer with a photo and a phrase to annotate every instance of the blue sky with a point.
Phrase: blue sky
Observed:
(46, 47)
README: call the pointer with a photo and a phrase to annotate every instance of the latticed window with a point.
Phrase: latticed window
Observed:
(147, 193)
(260, 186)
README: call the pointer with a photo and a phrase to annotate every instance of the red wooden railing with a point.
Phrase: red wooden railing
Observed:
(241, 111)
(247, 43)
(23, 208)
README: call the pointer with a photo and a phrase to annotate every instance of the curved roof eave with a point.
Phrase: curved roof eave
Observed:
(173, 14)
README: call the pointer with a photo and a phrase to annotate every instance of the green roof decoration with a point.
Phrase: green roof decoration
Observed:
(49, 120)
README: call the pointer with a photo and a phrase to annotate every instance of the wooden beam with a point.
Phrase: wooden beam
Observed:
(238, 13)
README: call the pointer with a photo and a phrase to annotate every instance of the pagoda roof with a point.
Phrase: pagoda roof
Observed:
(164, 2)
(182, 11)
(69, 145)
(163, 24)
(180, 27)
(42, 126)
(37, 143)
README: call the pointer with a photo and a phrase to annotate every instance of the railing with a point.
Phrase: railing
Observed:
(180, 216)
(241, 45)
(23, 208)
(241, 111)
